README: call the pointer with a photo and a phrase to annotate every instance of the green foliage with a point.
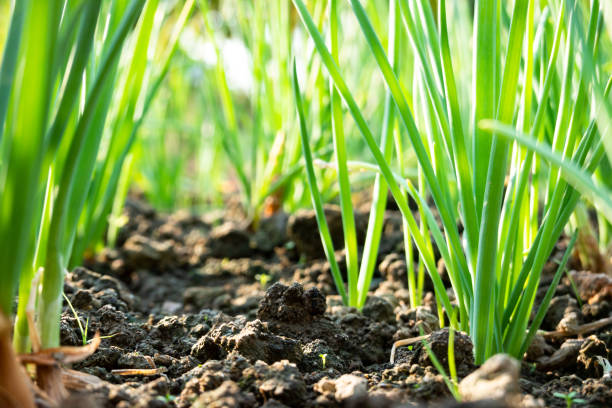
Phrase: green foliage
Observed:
(570, 398)
(496, 143)
(62, 71)
(475, 169)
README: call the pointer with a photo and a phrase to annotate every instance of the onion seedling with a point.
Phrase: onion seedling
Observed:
(139, 86)
(359, 276)
(512, 205)
(53, 120)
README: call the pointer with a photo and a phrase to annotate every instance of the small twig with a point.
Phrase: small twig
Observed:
(139, 371)
(405, 342)
(582, 329)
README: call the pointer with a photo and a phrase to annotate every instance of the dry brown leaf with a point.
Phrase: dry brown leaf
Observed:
(78, 381)
(15, 386)
(62, 355)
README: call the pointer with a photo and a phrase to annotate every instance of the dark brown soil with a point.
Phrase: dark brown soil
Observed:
(233, 318)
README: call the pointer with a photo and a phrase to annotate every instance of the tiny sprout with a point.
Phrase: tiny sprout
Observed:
(166, 398)
(569, 398)
(323, 359)
(302, 260)
(263, 279)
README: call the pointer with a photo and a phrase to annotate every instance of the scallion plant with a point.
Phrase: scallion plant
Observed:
(60, 69)
(139, 81)
(532, 75)
(359, 276)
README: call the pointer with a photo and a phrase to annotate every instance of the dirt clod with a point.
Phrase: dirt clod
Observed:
(496, 379)
(234, 331)
(302, 229)
(592, 287)
(291, 304)
(350, 386)
(281, 381)
(229, 241)
(438, 343)
(587, 360)
(254, 341)
(563, 314)
(227, 395)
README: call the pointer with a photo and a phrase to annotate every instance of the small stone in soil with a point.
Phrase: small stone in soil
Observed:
(350, 386)
(496, 379)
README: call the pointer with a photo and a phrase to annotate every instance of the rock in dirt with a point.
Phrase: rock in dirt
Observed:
(291, 304)
(227, 395)
(133, 359)
(346, 387)
(350, 386)
(303, 230)
(229, 241)
(496, 379)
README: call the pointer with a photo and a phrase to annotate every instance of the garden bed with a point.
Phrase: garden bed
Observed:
(213, 316)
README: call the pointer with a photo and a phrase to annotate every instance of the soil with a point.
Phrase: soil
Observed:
(232, 318)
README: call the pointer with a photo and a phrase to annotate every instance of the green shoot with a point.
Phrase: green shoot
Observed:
(451, 383)
(263, 279)
(315, 194)
(570, 398)
(78, 319)
(53, 117)
(493, 156)
(452, 368)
